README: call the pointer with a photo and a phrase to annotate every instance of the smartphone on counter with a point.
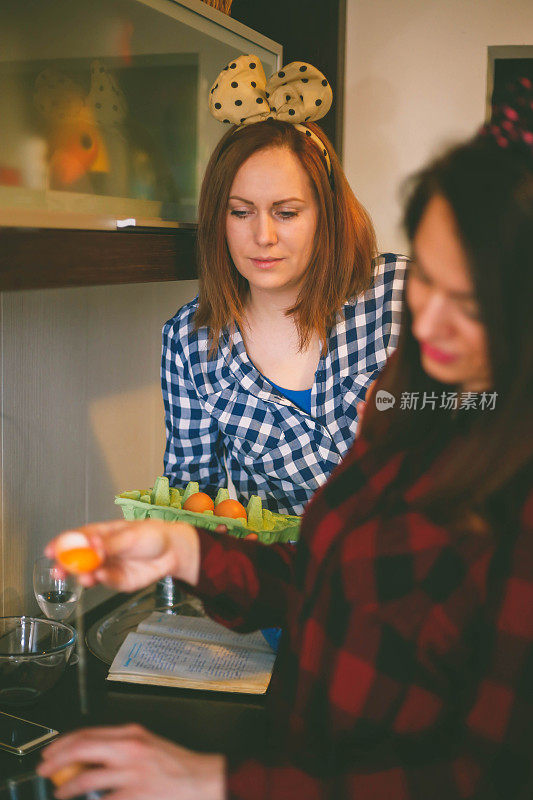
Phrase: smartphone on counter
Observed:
(20, 736)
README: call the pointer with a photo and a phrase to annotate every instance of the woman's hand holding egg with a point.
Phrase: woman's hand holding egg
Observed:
(128, 556)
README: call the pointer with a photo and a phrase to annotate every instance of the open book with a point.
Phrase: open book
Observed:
(193, 653)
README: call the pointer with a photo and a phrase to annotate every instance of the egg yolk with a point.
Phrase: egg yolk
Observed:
(79, 559)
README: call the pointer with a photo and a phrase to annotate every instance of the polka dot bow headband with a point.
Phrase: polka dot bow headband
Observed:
(297, 93)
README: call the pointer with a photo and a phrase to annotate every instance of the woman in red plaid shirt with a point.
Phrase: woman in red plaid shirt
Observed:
(406, 664)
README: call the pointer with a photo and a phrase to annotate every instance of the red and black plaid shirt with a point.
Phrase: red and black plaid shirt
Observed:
(406, 664)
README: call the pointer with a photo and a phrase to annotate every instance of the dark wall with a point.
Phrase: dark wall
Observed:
(309, 30)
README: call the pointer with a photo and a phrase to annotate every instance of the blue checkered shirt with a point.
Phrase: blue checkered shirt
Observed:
(221, 412)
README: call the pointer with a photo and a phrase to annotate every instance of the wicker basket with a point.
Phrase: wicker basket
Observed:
(220, 5)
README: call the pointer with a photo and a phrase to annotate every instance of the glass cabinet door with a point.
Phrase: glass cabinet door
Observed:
(104, 118)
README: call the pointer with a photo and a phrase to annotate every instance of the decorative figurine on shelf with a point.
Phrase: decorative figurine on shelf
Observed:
(110, 108)
(137, 167)
(75, 144)
(94, 143)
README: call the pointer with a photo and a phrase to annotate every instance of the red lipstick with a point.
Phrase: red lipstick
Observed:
(437, 355)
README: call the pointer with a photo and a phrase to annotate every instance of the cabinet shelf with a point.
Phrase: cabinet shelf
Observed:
(55, 258)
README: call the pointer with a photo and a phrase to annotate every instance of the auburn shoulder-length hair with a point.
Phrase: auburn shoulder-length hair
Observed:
(487, 454)
(341, 261)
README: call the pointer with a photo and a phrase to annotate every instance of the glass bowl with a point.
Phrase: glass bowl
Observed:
(33, 656)
(32, 787)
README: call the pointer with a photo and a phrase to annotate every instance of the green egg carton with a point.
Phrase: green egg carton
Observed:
(165, 502)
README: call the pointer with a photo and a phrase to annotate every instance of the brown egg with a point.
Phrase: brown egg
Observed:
(66, 774)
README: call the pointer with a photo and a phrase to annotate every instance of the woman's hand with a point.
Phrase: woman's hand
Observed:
(133, 764)
(135, 554)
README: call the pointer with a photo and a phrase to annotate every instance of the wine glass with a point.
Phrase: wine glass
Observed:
(56, 592)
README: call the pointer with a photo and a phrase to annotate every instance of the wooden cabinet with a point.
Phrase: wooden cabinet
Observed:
(129, 79)
(105, 133)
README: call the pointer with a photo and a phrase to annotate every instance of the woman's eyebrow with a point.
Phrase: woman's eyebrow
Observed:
(455, 294)
(277, 202)
(463, 295)
(242, 200)
(288, 200)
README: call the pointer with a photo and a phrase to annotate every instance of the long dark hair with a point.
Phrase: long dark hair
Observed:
(345, 244)
(490, 191)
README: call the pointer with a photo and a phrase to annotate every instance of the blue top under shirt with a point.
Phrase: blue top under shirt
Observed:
(300, 397)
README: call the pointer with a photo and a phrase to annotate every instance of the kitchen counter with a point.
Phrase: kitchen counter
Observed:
(201, 720)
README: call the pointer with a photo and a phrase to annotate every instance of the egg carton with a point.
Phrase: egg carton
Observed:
(165, 502)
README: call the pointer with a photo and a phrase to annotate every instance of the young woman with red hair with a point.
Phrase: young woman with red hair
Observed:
(296, 313)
